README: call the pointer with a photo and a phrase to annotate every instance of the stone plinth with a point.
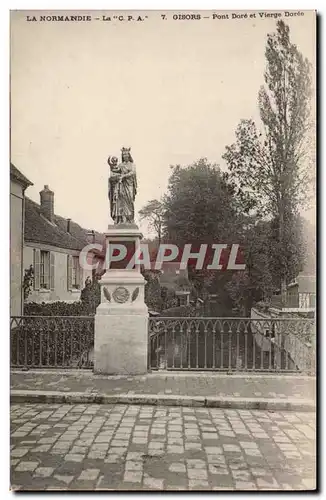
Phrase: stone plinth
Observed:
(121, 321)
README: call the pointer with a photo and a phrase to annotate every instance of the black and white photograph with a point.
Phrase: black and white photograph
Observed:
(163, 250)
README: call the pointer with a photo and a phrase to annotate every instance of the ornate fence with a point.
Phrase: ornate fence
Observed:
(232, 344)
(51, 341)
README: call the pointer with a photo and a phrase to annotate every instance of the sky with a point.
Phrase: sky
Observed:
(174, 91)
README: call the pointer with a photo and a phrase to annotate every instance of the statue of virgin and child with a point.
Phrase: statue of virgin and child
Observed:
(122, 188)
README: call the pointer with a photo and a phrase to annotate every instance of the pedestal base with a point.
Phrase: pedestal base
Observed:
(121, 321)
(121, 344)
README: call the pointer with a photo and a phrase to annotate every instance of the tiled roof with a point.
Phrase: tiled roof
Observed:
(39, 230)
(18, 176)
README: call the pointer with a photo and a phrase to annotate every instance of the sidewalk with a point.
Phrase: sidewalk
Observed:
(264, 392)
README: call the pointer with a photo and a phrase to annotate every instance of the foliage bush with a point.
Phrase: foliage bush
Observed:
(91, 296)
(59, 308)
(28, 281)
(263, 306)
(51, 341)
(179, 311)
(65, 340)
(153, 297)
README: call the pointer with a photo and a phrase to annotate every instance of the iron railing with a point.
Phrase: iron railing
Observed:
(51, 341)
(232, 344)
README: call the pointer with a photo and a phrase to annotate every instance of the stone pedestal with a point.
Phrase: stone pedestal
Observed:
(121, 321)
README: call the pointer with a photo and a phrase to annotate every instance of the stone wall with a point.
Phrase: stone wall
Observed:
(297, 339)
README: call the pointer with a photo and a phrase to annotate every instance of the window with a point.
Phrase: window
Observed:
(74, 273)
(45, 270)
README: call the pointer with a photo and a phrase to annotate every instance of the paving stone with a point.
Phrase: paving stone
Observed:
(116, 442)
(44, 471)
(245, 485)
(216, 459)
(198, 484)
(64, 479)
(248, 444)
(74, 458)
(89, 475)
(241, 475)
(112, 459)
(132, 477)
(177, 467)
(252, 452)
(210, 436)
(133, 466)
(195, 463)
(105, 443)
(133, 455)
(153, 483)
(193, 446)
(213, 450)
(197, 473)
(98, 454)
(47, 440)
(231, 447)
(139, 440)
(26, 466)
(175, 449)
(270, 483)
(218, 469)
(176, 441)
(259, 472)
(19, 452)
(117, 450)
(223, 488)
(159, 432)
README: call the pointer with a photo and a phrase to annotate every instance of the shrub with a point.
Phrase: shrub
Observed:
(153, 297)
(58, 308)
(28, 281)
(179, 312)
(262, 306)
(91, 295)
(59, 341)
(54, 341)
(169, 299)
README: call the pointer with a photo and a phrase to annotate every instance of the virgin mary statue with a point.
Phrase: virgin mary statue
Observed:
(122, 188)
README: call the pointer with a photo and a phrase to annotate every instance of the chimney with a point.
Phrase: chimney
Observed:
(91, 236)
(47, 203)
(68, 225)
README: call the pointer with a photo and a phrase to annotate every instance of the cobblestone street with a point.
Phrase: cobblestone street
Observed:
(126, 447)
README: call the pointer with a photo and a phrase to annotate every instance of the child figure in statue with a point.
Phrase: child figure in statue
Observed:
(122, 188)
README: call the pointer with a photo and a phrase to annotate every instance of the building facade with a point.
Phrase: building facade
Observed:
(18, 184)
(52, 247)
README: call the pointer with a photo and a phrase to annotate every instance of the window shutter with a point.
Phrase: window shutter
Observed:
(69, 271)
(80, 275)
(52, 265)
(37, 268)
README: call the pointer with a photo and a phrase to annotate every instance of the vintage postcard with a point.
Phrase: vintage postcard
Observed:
(163, 250)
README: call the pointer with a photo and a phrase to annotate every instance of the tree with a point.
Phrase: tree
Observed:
(200, 208)
(200, 205)
(271, 167)
(28, 281)
(153, 212)
(153, 297)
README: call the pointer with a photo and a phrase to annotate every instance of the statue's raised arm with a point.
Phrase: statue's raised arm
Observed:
(122, 187)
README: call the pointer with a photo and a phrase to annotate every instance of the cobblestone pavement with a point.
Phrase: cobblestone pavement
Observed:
(190, 384)
(125, 447)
